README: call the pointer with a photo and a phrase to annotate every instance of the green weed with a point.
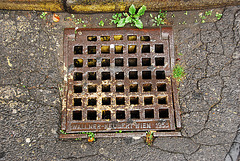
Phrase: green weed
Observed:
(131, 18)
(62, 132)
(218, 15)
(101, 23)
(43, 15)
(160, 19)
(178, 72)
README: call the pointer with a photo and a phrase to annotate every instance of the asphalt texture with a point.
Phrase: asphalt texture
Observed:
(31, 77)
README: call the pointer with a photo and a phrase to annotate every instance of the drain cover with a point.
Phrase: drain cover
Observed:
(119, 79)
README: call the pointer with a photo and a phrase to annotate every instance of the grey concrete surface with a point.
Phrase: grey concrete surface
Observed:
(31, 78)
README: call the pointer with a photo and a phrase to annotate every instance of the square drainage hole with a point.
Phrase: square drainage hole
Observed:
(159, 61)
(146, 75)
(145, 38)
(149, 113)
(159, 48)
(161, 87)
(132, 49)
(162, 100)
(92, 76)
(134, 100)
(92, 101)
(106, 88)
(119, 76)
(78, 62)
(132, 62)
(118, 49)
(160, 74)
(91, 49)
(133, 87)
(163, 113)
(106, 76)
(92, 115)
(120, 101)
(147, 87)
(145, 48)
(146, 61)
(148, 100)
(78, 76)
(78, 49)
(105, 49)
(92, 88)
(77, 89)
(92, 62)
(132, 37)
(92, 38)
(119, 62)
(120, 114)
(133, 74)
(105, 62)
(77, 115)
(135, 114)
(77, 102)
(106, 114)
(105, 38)
(118, 37)
(106, 101)
(119, 88)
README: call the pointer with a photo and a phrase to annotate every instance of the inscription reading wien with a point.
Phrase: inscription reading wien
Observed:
(101, 126)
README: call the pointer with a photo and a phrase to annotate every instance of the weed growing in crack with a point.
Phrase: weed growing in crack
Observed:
(43, 15)
(178, 72)
(132, 17)
(62, 132)
(149, 137)
(218, 15)
(101, 23)
(160, 19)
(204, 16)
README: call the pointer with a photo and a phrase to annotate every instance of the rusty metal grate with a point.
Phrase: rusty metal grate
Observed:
(119, 79)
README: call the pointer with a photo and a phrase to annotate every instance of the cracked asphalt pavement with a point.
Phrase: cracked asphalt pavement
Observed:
(31, 75)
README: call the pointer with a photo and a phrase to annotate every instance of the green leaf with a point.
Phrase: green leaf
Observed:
(142, 10)
(121, 23)
(151, 15)
(128, 20)
(136, 16)
(132, 9)
(139, 24)
(119, 15)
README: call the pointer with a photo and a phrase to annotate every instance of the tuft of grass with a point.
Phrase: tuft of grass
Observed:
(178, 72)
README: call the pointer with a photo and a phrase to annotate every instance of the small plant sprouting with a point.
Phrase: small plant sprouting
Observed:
(218, 15)
(180, 53)
(120, 131)
(160, 19)
(91, 137)
(173, 15)
(43, 15)
(178, 72)
(204, 16)
(149, 137)
(62, 132)
(78, 139)
(208, 13)
(186, 13)
(101, 23)
(131, 18)
(76, 21)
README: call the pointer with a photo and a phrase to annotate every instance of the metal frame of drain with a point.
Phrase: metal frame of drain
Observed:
(119, 79)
